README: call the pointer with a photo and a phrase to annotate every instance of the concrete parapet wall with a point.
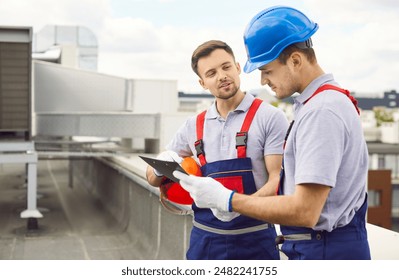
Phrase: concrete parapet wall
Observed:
(154, 233)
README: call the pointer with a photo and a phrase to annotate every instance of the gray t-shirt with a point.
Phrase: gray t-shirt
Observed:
(327, 146)
(265, 136)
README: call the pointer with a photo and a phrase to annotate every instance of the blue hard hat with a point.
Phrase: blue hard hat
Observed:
(271, 31)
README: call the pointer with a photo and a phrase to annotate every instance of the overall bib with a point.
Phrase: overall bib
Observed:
(243, 237)
(343, 243)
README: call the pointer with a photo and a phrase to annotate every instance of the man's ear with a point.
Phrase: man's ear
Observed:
(296, 59)
(201, 82)
(238, 67)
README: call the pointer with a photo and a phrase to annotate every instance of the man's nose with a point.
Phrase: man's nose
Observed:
(263, 80)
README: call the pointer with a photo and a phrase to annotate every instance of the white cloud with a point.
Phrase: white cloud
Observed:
(357, 40)
(129, 35)
(39, 13)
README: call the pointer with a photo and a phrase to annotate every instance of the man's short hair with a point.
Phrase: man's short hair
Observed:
(286, 53)
(206, 49)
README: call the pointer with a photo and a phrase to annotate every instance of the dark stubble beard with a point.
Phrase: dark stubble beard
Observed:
(231, 93)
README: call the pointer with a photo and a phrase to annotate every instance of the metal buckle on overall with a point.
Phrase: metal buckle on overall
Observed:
(241, 139)
(199, 147)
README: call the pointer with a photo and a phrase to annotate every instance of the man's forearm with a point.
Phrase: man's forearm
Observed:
(269, 189)
(283, 210)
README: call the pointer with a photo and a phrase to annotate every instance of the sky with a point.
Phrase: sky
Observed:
(357, 40)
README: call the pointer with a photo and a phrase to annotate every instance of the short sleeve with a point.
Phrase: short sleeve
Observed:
(319, 145)
(276, 129)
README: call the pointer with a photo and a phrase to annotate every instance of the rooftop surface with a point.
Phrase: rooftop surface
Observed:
(75, 225)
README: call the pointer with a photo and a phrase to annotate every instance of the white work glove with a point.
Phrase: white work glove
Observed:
(206, 191)
(224, 216)
(167, 156)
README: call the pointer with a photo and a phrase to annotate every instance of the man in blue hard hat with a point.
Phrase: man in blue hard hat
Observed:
(323, 201)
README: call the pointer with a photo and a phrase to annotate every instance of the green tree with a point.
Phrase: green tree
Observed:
(382, 115)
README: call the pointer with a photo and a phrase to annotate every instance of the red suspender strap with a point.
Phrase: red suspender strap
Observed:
(242, 136)
(344, 91)
(199, 144)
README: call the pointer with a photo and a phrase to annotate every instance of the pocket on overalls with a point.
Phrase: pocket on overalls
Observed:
(288, 248)
(233, 183)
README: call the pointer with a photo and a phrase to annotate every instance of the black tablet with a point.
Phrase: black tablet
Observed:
(165, 167)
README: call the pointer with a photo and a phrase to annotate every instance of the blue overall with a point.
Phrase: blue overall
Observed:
(243, 237)
(344, 243)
